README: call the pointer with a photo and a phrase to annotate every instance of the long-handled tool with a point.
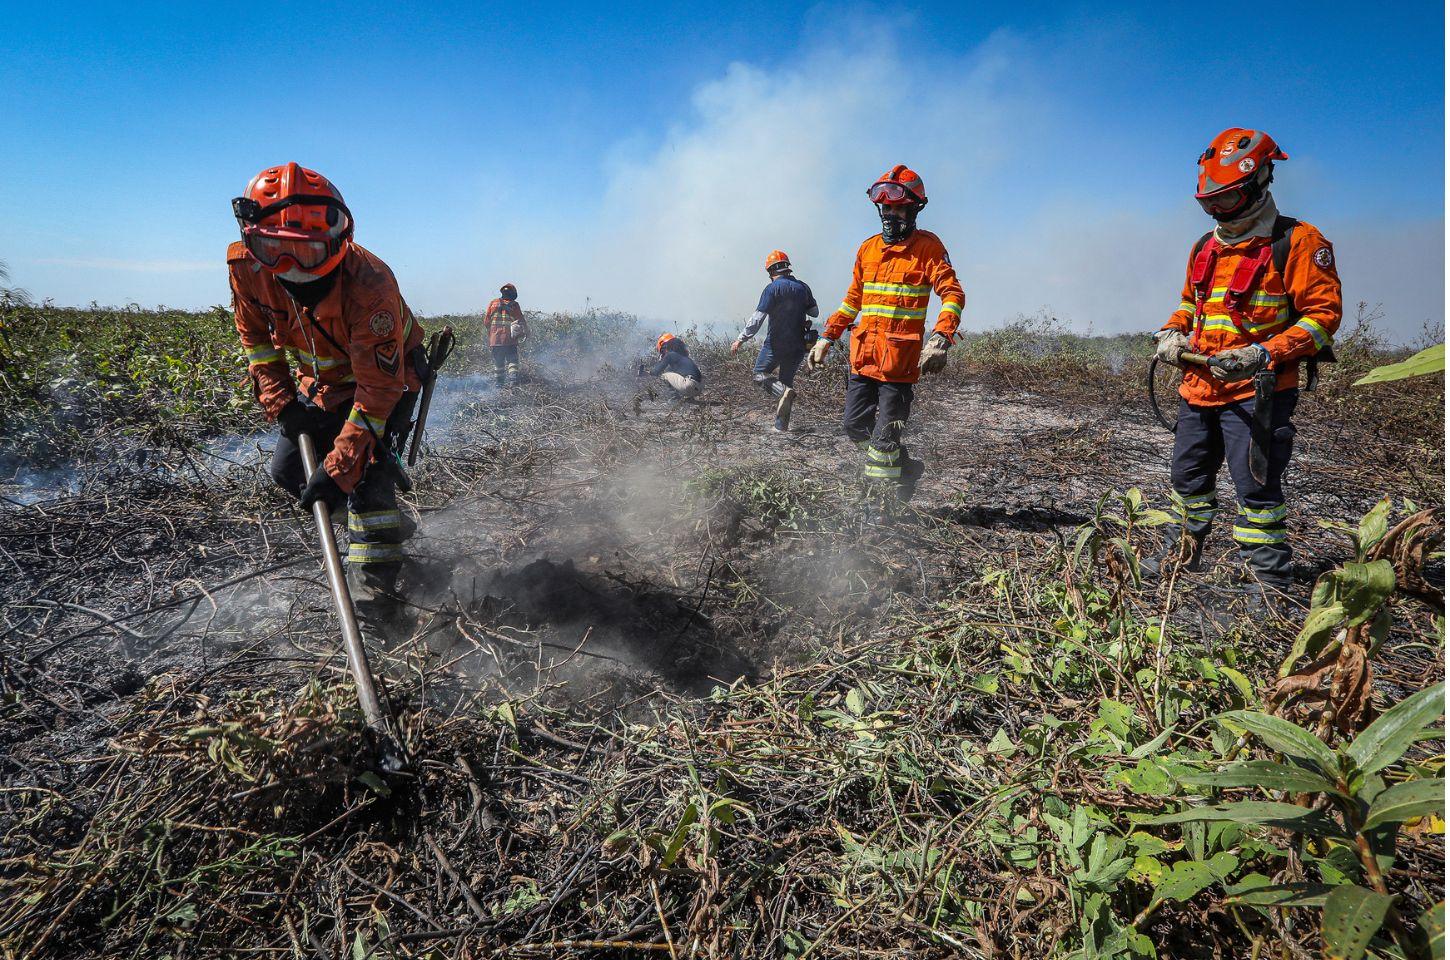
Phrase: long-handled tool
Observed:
(357, 656)
(1260, 425)
(440, 345)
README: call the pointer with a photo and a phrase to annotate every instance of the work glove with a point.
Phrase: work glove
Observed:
(322, 488)
(1239, 364)
(817, 357)
(934, 353)
(1172, 344)
(295, 420)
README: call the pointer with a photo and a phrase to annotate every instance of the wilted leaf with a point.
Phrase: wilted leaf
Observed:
(1431, 932)
(1405, 801)
(1352, 916)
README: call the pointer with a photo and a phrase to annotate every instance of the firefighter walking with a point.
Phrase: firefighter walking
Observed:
(894, 276)
(507, 328)
(302, 286)
(1262, 296)
(785, 310)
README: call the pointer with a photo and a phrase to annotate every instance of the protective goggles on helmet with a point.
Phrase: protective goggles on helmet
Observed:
(271, 242)
(888, 192)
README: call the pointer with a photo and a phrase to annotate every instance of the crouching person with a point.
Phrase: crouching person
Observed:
(301, 285)
(680, 373)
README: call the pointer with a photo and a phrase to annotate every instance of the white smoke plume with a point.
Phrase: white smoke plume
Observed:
(781, 158)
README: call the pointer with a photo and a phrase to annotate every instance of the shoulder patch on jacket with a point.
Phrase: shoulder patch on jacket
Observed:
(1324, 257)
(382, 323)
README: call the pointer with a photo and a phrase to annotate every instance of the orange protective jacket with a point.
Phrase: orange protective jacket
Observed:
(887, 304)
(500, 316)
(1292, 314)
(353, 349)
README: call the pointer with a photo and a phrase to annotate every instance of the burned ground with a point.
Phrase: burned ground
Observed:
(665, 686)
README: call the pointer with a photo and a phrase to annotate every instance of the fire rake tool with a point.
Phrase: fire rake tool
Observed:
(357, 656)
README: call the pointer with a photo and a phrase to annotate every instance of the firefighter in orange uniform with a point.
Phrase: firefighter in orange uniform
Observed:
(895, 274)
(1261, 297)
(302, 286)
(507, 328)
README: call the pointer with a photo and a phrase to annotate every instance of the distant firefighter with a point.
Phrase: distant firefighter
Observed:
(302, 285)
(507, 328)
(785, 308)
(675, 367)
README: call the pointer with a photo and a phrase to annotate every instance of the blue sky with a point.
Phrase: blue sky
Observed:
(647, 157)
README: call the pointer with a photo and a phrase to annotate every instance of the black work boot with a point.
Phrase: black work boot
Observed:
(381, 614)
(911, 471)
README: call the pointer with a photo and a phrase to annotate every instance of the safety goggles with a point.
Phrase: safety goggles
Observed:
(307, 254)
(1228, 201)
(271, 243)
(889, 192)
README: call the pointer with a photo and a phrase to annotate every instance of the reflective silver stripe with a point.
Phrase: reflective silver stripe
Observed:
(1321, 336)
(263, 354)
(374, 553)
(847, 309)
(375, 520)
(366, 422)
(898, 289)
(952, 307)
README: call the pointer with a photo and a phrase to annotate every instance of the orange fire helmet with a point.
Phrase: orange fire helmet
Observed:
(1234, 170)
(900, 184)
(777, 260)
(664, 339)
(293, 218)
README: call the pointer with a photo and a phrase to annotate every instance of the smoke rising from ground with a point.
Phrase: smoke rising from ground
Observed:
(781, 158)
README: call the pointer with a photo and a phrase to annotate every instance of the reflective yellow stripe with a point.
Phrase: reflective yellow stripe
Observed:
(361, 419)
(1264, 517)
(1253, 535)
(1224, 322)
(1321, 336)
(898, 289)
(873, 472)
(894, 313)
(316, 362)
(847, 309)
(952, 307)
(1188, 305)
(263, 354)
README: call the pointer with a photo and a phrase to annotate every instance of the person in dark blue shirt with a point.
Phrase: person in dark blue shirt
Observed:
(675, 367)
(785, 309)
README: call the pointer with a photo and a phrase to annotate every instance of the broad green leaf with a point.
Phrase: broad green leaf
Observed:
(856, 701)
(1109, 875)
(1374, 525)
(1265, 774)
(1406, 801)
(1286, 738)
(1319, 627)
(1427, 361)
(1187, 879)
(1431, 932)
(1352, 916)
(681, 834)
(1148, 778)
(1287, 815)
(1364, 587)
(1283, 895)
(1386, 740)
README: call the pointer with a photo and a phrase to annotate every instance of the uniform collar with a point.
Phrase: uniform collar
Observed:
(1259, 224)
